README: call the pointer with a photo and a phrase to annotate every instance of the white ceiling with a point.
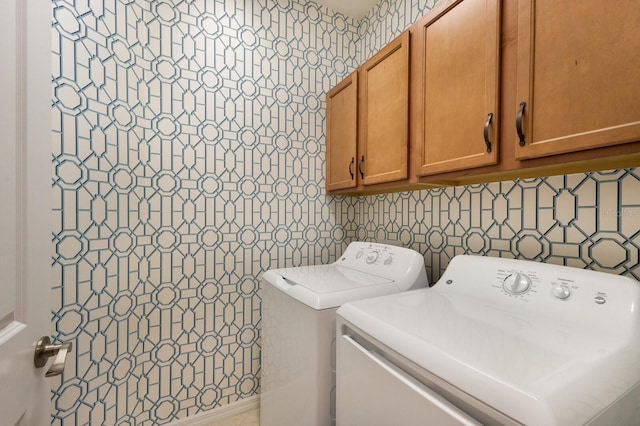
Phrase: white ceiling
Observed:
(356, 9)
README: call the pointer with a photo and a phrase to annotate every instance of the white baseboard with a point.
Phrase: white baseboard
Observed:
(220, 413)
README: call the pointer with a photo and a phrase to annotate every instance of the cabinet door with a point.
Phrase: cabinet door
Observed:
(342, 122)
(384, 127)
(457, 87)
(578, 78)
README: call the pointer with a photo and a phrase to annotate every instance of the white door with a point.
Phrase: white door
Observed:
(25, 205)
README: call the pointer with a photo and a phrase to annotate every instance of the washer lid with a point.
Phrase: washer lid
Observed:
(323, 279)
(328, 286)
(536, 370)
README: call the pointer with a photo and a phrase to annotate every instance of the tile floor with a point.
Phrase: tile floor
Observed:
(250, 418)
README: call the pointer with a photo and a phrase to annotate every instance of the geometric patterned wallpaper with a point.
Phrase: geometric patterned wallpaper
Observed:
(386, 21)
(188, 158)
(587, 221)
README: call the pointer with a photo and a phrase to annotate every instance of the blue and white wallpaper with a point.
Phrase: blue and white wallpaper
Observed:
(188, 158)
(587, 221)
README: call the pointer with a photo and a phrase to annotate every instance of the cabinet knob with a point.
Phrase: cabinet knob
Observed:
(361, 167)
(351, 167)
(519, 123)
(486, 132)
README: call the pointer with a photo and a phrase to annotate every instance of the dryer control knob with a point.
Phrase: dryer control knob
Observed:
(517, 283)
(372, 257)
(561, 291)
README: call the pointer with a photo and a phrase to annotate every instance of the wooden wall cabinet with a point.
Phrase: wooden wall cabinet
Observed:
(382, 126)
(384, 114)
(568, 95)
(342, 131)
(456, 86)
(578, 75)
(495, 90)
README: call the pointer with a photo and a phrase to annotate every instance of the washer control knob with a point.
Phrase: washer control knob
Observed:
(372, 257)
(517, 283)
(561, 291)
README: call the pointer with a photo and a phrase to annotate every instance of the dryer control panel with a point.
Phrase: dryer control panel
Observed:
(557, 292)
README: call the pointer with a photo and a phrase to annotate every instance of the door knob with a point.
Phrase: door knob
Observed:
(45, 350)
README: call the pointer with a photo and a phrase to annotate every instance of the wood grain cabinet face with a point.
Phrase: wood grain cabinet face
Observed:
(456, 86)
(384, 114)
(553, 87)
(342, 115)
(578, 78)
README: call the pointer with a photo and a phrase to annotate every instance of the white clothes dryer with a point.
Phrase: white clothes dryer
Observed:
(298, 326)
(494, 342)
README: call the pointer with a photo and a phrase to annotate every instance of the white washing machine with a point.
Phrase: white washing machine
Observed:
(494, 341)
(298, 326)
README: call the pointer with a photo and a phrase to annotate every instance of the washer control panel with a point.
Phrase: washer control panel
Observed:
(395, 263)
(376, 254)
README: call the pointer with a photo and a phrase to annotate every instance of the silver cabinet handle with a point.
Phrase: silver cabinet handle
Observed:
(45, 350)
